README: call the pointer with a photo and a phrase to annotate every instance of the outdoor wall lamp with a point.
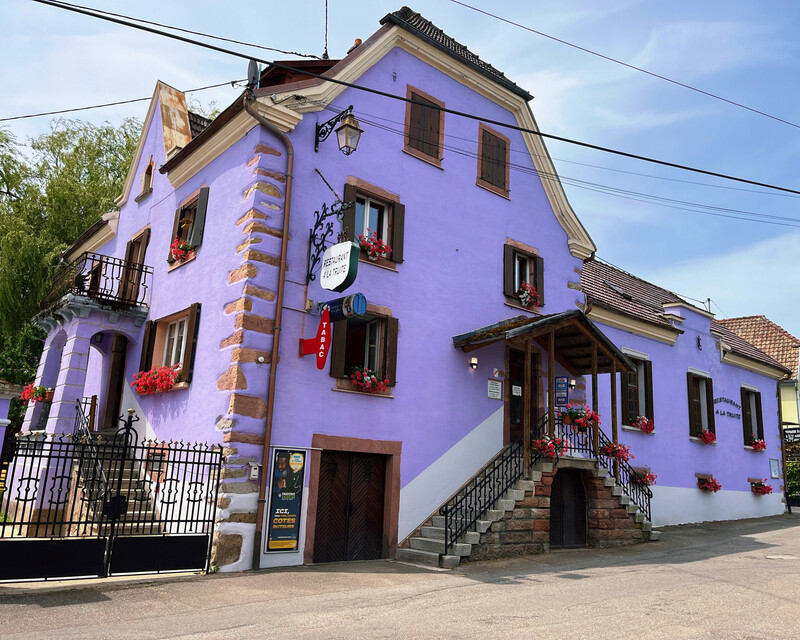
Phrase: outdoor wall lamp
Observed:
(348, 133)
(473, 363)
(572, 384)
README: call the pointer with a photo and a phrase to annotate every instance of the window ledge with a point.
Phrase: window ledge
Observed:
(749, 448)
(179, 263)
(364, 393)
(434, 162)
(492, 188)
(626, 427)
(383, 263)
(143, 195)
(178, 386)
(698, 440)
(537, 311)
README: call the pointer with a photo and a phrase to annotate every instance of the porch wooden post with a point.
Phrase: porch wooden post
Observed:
(527, 406)
(551, 382)
(595, 403)
(614, 432)
(92, 412)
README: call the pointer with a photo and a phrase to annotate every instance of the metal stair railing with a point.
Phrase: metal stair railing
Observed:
(90, 468)
(627, 478)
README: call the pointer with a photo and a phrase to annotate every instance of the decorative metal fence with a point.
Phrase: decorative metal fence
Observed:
(111, 281)
(84, 506)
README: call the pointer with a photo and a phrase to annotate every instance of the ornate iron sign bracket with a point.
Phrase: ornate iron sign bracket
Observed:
(326, 128)
(321, 232)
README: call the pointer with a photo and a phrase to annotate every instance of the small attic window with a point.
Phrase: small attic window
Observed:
(147, 180)
(618, 290)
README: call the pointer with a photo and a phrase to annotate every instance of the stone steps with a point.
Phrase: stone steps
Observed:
(428, 558)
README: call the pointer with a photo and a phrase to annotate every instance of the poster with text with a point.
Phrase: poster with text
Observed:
(286, 500)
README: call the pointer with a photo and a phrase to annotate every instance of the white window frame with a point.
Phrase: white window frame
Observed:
(383, 232)
(169, 359)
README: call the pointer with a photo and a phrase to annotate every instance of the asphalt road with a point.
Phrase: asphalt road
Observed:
(727, 581)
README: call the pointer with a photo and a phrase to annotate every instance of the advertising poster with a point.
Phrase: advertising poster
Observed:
(288, 471)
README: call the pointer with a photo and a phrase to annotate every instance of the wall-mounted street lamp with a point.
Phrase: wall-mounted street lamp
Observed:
(348, 133)
(473, 363)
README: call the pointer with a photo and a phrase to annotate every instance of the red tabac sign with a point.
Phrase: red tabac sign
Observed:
(321, 344)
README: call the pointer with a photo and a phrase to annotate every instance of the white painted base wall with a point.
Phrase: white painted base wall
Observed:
(440, 480)
(677, 505)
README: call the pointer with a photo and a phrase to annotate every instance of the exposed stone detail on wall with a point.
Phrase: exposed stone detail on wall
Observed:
(245, 271)
(229, 451)
(257, 256)
(242, 304)
(247, 243)
(260, 227)
(252, 214)
(262, 148)
(244, 438)
(251, 322)
(232, 379)
(270, 174)
(223, 502)
(226, 550)
(250, 355)
(241, 517)
(250, 406)
(239, 487)
(236, 338)
(264, 187)
(575, 285)
(252, 290)
(229, 472)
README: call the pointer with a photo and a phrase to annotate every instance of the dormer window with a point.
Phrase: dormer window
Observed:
(147, 180)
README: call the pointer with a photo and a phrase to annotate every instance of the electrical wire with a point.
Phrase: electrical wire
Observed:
(625, 64)
(109, 104)
(385, 94)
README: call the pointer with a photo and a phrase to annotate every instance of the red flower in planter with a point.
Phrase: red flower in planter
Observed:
(646, 478)
(761, 488)
(708, 437)
(374, 246)
(528, 296)
(157, 380)
(617, 450)
(550, 447)
(180, 249)
(644, 424)
(708, 485)
(758, 445)
(367, 380)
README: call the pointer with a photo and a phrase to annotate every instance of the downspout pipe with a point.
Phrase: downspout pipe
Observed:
(248, 99)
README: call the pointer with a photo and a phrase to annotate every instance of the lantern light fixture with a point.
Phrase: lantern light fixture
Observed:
(348, 133)
(473, 363)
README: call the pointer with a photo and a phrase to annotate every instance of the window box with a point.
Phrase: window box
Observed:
(424, 127)
(375, 211)
(520, 265)
(493, 160)
(172, 340)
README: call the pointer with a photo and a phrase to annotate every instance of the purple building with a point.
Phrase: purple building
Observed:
(473, 325)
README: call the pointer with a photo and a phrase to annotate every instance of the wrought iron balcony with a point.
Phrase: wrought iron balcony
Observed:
(111, 282)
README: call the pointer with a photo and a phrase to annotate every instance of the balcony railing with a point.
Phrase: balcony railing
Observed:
(110, 281)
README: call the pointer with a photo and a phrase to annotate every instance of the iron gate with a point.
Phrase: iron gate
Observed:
(89, 505)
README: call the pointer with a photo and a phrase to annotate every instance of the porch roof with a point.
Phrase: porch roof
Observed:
(574, 335)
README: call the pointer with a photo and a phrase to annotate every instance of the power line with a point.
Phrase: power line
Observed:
(625, 64)
(109, 104)
(385, 94)
(196, 33)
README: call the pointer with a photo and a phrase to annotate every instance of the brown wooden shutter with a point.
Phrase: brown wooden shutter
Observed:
(398, 226)
(500, 163)
(192, 328)
(170, 259)
(432, 119)
(694, 428)
(349, 218)
(759, 417)
(538, 273)
(339, 343)
(390, 357)
(416, 124)
(148, 340)
(710, 405)
(485, 157)
(648, 389)
(145, 242)
(199, 224)
(747, 418)
(508, 271)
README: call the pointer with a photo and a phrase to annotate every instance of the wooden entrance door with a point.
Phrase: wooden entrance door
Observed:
(516, 387)
(349, 507)
(116, 379)
(567, 510)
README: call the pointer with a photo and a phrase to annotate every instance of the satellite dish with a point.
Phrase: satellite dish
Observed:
(253, 75)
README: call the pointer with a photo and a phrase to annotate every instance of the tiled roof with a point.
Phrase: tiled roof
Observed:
(613, 288)
(425, 29)
(197, 123)
(741, 346)
(767, 336)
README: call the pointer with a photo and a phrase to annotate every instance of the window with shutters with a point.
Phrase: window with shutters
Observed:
(638, 398)
(493, 158)
(424, 126)
(131, 282)
(752, 422)
(701, 403)
(375, 212)
(369, 342)
(172, 340)
(147, 180)
(189, 225)
(522, 266)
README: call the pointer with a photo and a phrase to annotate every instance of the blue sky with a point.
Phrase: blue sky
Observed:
(745, 51)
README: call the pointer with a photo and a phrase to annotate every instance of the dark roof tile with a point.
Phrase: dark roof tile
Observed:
(197, 123)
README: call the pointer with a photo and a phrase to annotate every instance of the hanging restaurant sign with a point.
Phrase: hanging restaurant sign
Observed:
(321, 344)
(339, 266)
(322, 230)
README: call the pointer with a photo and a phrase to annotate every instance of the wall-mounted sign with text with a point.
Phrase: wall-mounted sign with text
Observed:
(339, 266)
